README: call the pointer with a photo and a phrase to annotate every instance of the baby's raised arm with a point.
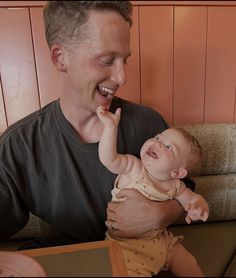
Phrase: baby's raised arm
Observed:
(195, 205)
(107, 150)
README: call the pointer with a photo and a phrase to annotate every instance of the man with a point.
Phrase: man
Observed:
(49, 160)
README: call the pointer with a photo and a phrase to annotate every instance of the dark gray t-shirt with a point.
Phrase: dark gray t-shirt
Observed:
(47, 170)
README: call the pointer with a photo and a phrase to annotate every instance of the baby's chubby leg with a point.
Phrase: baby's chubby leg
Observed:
(184, 263)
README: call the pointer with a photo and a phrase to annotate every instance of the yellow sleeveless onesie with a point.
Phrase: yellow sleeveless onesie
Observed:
(153, 251)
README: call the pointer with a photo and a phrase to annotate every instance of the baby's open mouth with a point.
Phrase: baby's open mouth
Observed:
(105, 92)
(152, 154)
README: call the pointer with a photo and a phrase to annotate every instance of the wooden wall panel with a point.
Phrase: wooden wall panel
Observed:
(22, 3)
(184, 3)
(19, 82)
(156, 52)
(135, 3)
(131, 90)
(221, 65)
(189, 63)
(183, 61)
(3, 122)
(48, 80)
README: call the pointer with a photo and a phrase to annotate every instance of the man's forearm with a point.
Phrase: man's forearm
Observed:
(136, 214)
(169, 212)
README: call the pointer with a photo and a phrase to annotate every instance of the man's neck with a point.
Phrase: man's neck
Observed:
(84, 121)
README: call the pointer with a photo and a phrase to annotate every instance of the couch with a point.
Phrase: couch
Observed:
(214, 242)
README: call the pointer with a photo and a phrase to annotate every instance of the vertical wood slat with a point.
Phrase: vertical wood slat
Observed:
(156, 47)
(47, 75)
(17, 64)
(3, 121)
(189, 64)
(221, 65)
(22, 3)
(131, 90)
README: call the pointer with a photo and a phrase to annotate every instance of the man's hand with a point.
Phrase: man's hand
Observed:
(136, 214)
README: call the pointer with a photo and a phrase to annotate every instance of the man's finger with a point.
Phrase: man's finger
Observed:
(111, 225)
(124, 193)
(112, 207)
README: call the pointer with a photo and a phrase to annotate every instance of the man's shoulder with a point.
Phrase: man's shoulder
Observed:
(28, 123)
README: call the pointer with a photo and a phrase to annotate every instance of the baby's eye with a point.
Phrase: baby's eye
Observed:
(157, 137)
(169, 147)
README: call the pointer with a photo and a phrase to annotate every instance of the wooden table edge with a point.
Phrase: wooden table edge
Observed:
(114, 249)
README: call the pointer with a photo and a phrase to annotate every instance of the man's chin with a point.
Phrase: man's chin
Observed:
(104, 102)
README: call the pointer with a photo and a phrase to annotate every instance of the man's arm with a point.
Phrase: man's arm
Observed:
(137, 214)
(12, 213)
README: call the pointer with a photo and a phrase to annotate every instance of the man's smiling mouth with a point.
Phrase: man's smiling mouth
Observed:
(105, 92)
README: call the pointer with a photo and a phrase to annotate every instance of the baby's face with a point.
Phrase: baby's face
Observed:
(164, 153)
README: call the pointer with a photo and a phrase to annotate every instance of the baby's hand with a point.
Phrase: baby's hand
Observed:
(107, 118)
(197, 209)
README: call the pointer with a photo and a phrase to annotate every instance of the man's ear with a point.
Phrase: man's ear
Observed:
(58, 57)
(179, 173)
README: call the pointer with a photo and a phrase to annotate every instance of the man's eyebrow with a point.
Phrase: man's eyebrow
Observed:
(108, 52)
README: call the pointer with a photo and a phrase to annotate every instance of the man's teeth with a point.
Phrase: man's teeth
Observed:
(106, 91)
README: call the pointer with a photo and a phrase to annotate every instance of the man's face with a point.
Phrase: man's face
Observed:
(96, 67)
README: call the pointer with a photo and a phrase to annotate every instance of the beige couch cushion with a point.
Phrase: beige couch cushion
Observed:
(217, 178)
(218, 142)
(220, 193)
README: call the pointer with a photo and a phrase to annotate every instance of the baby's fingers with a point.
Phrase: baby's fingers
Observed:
(205, 216)
(118, 111)
(188, 219)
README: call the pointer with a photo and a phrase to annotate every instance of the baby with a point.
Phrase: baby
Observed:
(165, 160)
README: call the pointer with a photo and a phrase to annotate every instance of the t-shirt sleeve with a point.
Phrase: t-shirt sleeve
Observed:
(13, 215)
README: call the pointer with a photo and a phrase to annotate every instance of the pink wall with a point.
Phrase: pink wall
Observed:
(183, 61)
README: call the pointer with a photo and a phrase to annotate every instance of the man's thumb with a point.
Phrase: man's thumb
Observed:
(124, 193)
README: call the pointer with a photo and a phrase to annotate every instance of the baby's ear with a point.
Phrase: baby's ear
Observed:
(179, 173)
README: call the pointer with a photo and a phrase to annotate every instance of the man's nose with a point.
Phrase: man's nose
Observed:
(119, 74)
